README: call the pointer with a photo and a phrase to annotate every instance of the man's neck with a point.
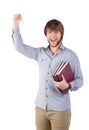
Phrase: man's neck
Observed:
(54, 49)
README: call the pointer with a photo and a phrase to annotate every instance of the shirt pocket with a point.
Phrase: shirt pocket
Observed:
(44, 62)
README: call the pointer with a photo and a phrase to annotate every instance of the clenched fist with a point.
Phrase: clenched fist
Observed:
(16, 20)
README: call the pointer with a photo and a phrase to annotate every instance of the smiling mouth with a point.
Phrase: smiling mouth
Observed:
(53, 40)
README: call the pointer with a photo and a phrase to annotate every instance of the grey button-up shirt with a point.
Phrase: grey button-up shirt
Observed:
(49, 96)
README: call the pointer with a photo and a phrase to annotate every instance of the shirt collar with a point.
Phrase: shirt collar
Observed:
(61, 47)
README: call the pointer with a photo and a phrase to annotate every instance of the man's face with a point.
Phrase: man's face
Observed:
(53, 37)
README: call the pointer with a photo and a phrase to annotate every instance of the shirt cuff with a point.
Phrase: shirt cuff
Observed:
(15, 30)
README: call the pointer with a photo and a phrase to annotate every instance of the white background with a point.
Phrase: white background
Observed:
(19, 75)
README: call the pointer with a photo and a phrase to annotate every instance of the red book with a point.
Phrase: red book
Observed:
(64, 69)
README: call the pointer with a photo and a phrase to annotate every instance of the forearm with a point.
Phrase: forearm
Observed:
(76, 84)
(17, 39)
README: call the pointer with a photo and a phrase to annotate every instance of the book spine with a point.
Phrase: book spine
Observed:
(55, 77)
(60, 62)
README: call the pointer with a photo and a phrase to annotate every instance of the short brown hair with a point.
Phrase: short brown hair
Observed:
(54, 25)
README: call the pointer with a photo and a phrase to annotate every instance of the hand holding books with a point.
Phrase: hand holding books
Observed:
(63, 75)
(63, 86)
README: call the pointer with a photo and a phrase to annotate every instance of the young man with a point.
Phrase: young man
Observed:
(53, 109)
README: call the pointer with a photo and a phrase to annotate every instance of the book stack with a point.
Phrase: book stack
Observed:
(63, 68)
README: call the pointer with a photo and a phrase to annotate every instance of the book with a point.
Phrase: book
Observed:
(63, 68)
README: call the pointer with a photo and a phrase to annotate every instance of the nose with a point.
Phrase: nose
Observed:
(52, 33)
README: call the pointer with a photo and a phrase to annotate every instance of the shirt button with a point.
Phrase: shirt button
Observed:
(46, 95)
(49, 66)
(46, 80)
(48, 73)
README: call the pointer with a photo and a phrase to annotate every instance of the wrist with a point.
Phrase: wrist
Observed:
(69, 86)
(66, 90)
(15, 25)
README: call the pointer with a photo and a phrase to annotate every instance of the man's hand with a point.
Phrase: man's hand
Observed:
(16, 20)
(63, 85)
